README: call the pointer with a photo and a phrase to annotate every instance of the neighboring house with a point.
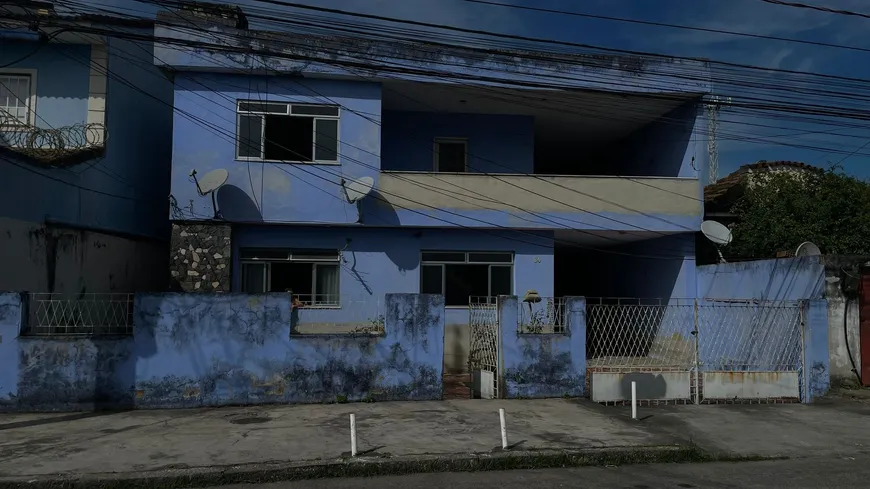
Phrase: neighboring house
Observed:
(479, 189)
(720, 197)
(85, 152)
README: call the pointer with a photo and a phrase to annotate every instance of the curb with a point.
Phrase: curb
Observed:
(178, 478)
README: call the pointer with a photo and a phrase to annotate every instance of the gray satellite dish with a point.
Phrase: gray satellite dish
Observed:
(356, 190)
(209, 183)
(807, 249)
(718, 234)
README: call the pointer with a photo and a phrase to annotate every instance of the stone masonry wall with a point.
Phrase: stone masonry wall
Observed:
(201, 257)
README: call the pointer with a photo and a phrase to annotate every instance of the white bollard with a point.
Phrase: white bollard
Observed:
(633, 400)
(504, 443)
(353, 435)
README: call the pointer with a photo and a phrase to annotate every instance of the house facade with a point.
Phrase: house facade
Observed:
(296, 166)
(85, 146)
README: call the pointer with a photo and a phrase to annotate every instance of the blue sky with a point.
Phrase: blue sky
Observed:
(749, 16)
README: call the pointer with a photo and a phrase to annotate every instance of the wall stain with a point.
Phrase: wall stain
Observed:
(544, 374)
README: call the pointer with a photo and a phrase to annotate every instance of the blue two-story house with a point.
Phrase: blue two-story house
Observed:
(85, 148)
(490, 172)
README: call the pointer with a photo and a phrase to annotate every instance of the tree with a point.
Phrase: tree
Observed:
(780, 210)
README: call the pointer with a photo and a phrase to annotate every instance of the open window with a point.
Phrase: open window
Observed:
(451, 155)
(285, 132)
(462, 276)
(312, 275)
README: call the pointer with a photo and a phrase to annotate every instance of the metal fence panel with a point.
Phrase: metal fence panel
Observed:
(54, 314)
(546, 315)
(483, 356)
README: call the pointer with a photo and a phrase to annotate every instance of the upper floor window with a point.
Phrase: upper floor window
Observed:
(450, 155)
(16, 99)
(285, 132)
(312, 275)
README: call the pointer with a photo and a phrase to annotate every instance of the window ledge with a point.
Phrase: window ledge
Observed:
(295, 334)
(281, 162)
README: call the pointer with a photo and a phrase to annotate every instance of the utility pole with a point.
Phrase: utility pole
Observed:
(713, 107)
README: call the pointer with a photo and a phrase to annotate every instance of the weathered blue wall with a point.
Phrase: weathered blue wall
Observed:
(496, 143)
(126, 189)
(381, 261)
(660, 268)
(208, 350)
(205, 129)
(817, 359)
(675, 145)
(780, 279)
(10, 325)
(61, 374)
(61, 75)
(543, 365)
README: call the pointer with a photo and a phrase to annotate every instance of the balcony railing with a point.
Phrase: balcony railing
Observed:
(542, 193)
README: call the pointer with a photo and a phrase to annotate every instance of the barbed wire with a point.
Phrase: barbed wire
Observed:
(51, 143)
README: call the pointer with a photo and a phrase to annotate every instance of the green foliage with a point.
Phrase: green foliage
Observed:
(783, 209)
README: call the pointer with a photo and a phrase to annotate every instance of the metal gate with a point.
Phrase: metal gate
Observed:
(484, 356)
(750, 351)
(695, 350)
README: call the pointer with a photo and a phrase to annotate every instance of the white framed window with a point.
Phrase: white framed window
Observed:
(287, 132)
(312, 275)
(460, 275)
(451, 155)
(17, 97)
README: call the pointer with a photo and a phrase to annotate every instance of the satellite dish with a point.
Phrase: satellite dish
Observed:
(718, 234)
(807, 249)
(355, 190)
(209, 183)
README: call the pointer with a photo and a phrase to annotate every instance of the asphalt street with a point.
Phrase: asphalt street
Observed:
(794, 474)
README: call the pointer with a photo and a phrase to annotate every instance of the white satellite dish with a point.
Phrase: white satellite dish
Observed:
(355, 190)
(718, 234)
(807, 249)
(209, 183)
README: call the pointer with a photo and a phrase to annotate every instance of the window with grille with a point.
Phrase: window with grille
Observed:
(15, 99)
(285, 132)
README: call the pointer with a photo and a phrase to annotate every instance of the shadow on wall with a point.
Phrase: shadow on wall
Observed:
(237, 206)
(778, 279)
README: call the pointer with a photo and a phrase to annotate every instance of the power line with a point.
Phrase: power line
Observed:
(671, 26)
(818, 8)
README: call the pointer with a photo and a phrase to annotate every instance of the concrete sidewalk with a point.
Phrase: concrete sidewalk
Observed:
(41, 446)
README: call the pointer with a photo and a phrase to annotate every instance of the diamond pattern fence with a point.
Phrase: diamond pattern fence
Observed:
(52, 314)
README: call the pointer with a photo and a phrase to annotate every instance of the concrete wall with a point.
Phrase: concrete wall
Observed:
(126, 189)
(198, 350)
(659, 268)
(781, 279)
(381, 261)
(40, 258)
(675, 145)
(237, 349)
(61, 374)
(271, 192)
(95, 226)
(543, 365)
(341, 56)
(496, 143)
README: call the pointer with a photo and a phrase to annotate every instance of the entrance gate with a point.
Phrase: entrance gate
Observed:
(484, 352)
(702, 351)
